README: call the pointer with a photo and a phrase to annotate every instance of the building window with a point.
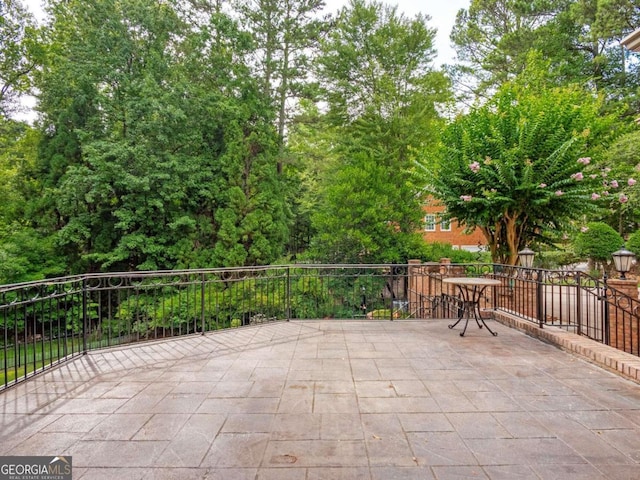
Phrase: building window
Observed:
(445, 225)
(430, 223)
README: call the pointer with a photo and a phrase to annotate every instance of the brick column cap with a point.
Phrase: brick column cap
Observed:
(628, 286)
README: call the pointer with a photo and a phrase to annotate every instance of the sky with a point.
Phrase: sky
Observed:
(442, 13)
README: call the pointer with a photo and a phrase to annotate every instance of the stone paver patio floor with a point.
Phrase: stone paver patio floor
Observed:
(331, 399)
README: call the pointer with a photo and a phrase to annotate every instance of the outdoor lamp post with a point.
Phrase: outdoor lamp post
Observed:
(526, 257)
(623, 259)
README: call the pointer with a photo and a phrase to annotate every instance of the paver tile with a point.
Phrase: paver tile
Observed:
(331, 399)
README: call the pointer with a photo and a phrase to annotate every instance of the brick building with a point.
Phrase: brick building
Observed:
(435, 229)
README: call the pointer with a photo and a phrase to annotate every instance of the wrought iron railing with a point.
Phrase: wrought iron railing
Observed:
(571, 300)
(45, 323)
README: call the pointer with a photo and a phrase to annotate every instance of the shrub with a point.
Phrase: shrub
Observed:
(633, 243)
(598, 242)
(433, 252)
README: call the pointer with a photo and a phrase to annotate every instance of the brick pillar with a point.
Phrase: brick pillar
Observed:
(623, 322)
(416, 283)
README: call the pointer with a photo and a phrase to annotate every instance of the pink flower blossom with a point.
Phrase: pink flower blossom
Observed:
(605, 193)
(614, 183)
(631, 182)
(595, 196)
(465, 198)
(623, 198)
(475, 167)
(593, 175)
(542, 185)
(559, 193)
(577, 176)
(584, 229)
(584, 160)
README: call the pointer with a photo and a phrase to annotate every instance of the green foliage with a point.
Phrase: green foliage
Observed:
(284, 33)
(598, 242)
(623, 202)
(579, 38)
(519, 167)
(18, 54)
(162, 129)
(433, 252)
(494, 36)
(166, 156)
(382, 94)
(633, 243)
(26, 255)
(554, 259)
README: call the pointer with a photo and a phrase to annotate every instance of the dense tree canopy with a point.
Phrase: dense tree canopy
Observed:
(579, 38)
(382, 92)
(197, 133)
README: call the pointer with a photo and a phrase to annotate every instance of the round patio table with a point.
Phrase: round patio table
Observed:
(471, 290)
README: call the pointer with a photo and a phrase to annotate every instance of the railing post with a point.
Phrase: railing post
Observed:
(202, 301)
(288, 294)
(578, 304)
(393, 283)
(540, 298)
(84, 316)
(606, 334)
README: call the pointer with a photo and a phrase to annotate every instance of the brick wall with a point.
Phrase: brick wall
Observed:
(456, 236)
(623, 320)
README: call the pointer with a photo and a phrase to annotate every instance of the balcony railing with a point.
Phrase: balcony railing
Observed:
(45, 323)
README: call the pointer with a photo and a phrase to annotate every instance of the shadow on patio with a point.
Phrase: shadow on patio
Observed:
(330, 399)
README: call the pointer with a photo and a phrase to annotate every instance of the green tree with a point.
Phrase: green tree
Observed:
(621, 161)
(382, 95)
(579, 38)
(493, 37)
(519, 167)
(597, 241)
(18, 54)
(633, 243)
(285, 33)
(26, 253)
(160, 150)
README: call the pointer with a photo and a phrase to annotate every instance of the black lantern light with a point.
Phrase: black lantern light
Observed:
(623, 259)
(526, 257)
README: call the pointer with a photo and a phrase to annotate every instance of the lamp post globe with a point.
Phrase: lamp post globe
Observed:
(526, 257)
(623, 259)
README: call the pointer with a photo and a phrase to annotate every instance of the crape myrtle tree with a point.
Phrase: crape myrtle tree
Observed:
(520, 168)
(381, 92)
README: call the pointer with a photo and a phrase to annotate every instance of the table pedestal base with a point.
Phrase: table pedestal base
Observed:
(471, 305)
(477, 316)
